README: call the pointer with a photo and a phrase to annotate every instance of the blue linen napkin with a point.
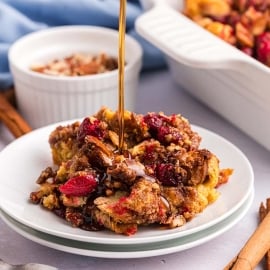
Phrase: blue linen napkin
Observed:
(20, 17)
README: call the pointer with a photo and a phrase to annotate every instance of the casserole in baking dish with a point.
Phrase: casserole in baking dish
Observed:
(232, 83)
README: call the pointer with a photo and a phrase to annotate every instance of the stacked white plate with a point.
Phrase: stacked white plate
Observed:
(22, 161)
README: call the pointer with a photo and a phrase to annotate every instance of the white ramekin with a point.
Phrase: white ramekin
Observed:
(44, 99)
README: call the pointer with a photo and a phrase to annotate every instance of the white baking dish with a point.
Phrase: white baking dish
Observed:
(230, 82)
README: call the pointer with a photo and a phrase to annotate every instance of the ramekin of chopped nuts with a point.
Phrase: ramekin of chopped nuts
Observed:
(67, 72)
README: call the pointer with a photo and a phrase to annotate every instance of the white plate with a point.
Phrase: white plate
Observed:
(129, 251)
(22, 161)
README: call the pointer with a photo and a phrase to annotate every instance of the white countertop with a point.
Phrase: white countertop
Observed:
(157, 92)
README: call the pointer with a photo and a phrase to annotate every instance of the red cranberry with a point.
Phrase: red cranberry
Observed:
(166, 174)
(168, 135)
(161, 129)
(260, 5)
(233, 18)
(92, 128)
(154, 121)
(247, 50)
(81, 185)
(263, 48)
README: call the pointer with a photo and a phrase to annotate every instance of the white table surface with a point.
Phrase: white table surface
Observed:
(157, 92)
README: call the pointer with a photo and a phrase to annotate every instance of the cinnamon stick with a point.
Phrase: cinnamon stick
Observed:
(254, 249)
(263, 210)
(9, 94)
(12, 119)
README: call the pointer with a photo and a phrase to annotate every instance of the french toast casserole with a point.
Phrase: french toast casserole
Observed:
(161, 177)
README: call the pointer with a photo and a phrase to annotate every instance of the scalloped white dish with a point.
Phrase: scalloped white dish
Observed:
(216, 73)
(22, 161)
(129, 251)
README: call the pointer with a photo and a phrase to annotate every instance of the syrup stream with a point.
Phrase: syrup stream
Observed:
(121, 71)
